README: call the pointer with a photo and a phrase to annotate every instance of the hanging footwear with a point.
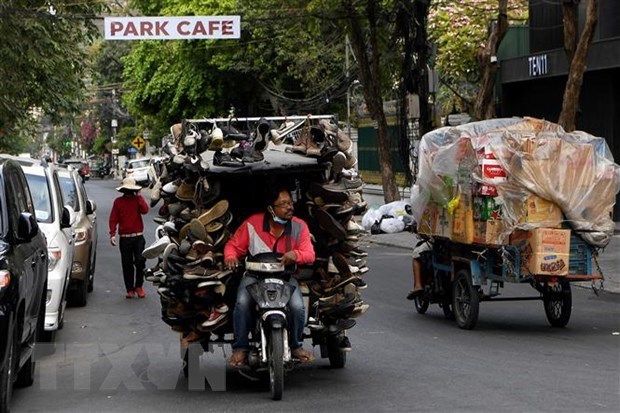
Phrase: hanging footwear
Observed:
(262, 135)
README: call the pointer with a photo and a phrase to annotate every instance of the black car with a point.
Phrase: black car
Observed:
(23, 281)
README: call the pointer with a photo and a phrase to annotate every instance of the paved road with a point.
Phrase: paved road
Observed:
(117, 355)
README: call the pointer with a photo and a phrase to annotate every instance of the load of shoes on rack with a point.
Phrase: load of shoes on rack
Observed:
(195, 223)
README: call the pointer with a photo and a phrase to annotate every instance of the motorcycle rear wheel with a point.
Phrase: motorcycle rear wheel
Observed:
(337, 357)
(276, 364)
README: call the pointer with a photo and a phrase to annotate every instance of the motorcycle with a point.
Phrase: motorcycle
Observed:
(269, 341)
(271, 293)
(437, 286)
(104, 171)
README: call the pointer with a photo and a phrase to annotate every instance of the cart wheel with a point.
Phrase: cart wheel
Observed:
(421, 303)
(446, 301)
(558, 301)
(466, 300)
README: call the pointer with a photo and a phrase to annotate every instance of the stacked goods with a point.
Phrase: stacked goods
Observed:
(210, 180)
(479, 183)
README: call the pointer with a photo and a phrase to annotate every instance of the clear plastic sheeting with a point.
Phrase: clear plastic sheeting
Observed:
(518, 158)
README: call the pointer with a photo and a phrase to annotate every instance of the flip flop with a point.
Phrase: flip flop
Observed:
(414, 293)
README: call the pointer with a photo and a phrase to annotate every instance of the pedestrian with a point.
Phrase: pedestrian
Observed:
(126, 213)
(275, 230)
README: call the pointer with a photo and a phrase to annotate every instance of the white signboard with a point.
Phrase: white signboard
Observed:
(172, 28)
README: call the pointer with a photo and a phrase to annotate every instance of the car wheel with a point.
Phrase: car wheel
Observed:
(79, 295)
(91, 274)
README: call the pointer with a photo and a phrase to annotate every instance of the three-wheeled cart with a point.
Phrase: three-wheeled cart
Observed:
(459, 277)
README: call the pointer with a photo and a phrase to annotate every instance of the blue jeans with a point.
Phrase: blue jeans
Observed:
(243, 316)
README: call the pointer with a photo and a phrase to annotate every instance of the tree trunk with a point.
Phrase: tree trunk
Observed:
(577, 68)
(570, 13)
(370, 78)
(484, 107)
(421, 73)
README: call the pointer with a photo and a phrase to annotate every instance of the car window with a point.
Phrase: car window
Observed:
(41, 197)
(18, 196)
(69, 192)
(82, 191)
(139, 164)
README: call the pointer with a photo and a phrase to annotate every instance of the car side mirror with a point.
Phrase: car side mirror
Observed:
(67, 217)
(27, 227)
(90, 207)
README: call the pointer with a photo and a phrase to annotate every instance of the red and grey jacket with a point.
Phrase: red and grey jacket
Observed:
(253, 237)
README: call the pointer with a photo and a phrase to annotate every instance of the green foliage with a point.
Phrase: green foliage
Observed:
(458, 29)
(42, 58)
(101, 145)
(59, 140)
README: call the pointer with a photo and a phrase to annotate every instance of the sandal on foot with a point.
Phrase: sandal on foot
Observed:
(238, 358)
(302, 355)
(414, 293)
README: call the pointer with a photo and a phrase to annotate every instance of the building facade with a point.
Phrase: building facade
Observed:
(534, 70)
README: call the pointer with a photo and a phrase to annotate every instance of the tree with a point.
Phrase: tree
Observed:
(363, 25)
(576, 54)
(460, 32)
(42, 59)
(484, 107)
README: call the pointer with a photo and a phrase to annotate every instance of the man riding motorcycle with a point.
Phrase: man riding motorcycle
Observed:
(276, 230)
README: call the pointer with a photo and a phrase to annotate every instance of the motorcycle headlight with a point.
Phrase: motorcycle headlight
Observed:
(53, 256)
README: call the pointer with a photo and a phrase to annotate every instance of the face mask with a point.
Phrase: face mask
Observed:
(277, 219)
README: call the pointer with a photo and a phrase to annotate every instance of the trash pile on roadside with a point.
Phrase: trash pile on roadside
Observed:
(517, 181)
(208, 181)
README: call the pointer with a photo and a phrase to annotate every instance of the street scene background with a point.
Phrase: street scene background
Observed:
(117, 354)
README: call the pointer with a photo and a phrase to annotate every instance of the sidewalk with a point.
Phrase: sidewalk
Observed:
(609, 259)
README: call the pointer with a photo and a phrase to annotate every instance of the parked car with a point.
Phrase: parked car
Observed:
(138, 169)
(81, 166)
(23, 281)
(54, 219)
(85, 227)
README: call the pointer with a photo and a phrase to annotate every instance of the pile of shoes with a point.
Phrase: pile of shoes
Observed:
(190, 277)
(195, 221)
(341, 263)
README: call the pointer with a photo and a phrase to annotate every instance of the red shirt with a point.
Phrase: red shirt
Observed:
(253, 237)
(126, 213)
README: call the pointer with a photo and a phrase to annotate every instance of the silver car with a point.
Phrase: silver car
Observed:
(85, 227)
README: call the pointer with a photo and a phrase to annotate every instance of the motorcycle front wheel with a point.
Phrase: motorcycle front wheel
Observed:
(276, 364)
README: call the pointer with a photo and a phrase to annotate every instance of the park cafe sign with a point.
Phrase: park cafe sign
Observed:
(172, 28)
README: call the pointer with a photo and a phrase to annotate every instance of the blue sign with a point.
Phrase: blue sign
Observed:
(132, 150)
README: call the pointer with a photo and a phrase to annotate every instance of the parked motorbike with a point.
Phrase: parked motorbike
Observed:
(104, 171)
(437, 287)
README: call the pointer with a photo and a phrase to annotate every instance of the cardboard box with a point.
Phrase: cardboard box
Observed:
(543, 250)
(463, 221)
(428, 221)
(492, 171)
(444, 223)
(542, 212)
(489, 232)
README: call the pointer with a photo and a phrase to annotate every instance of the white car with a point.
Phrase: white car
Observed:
(138, 169)
(55, 220)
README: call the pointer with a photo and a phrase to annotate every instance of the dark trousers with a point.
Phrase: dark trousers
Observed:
(132, 261)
